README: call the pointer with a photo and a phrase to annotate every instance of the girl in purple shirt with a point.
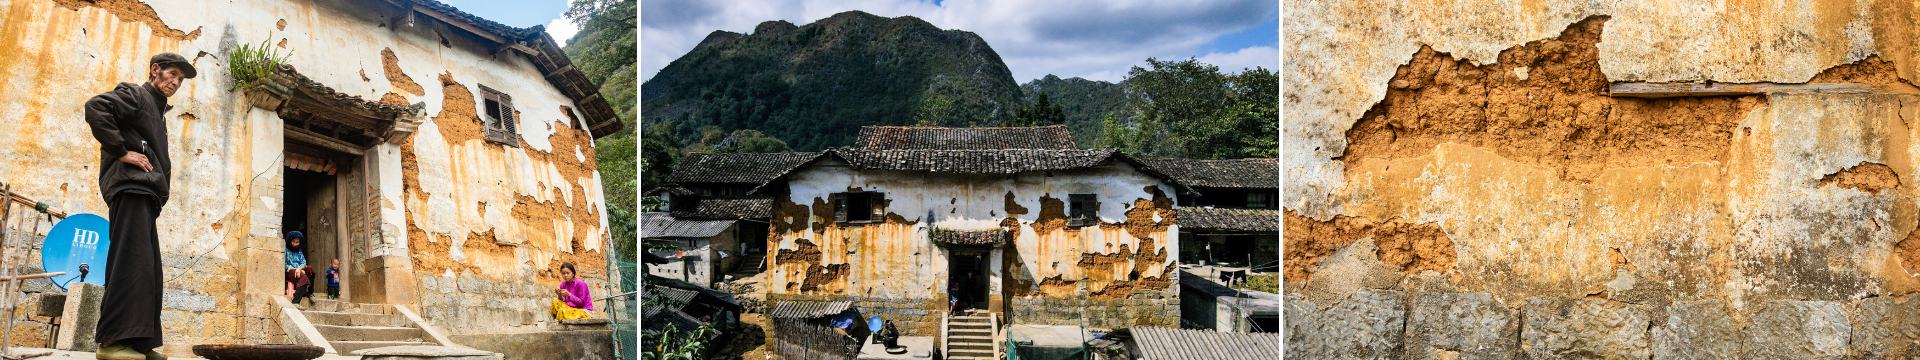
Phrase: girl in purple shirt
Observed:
(574, 300)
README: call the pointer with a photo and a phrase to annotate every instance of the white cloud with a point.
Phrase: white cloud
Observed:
(1248, 58)
(1095, 40)
(562, 30)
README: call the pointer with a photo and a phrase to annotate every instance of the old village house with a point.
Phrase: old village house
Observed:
(1016, 224)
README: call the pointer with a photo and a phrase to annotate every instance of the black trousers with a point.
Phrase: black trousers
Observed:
(130, 309)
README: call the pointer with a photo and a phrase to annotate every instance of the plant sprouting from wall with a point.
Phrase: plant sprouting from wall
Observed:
(251, 66)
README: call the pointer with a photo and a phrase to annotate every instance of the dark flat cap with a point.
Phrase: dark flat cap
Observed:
(176, 60)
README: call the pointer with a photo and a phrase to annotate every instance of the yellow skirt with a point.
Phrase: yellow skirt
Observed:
(563, 312)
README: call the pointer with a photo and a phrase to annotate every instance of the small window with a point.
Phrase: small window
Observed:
(1259, 200)
(1083, 210)
(859, 207)
(497, 111)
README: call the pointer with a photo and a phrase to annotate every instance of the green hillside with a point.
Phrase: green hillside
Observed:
(1086, 103)
(813, 86)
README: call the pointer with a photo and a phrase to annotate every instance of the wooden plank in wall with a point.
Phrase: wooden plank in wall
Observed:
(1665, 90)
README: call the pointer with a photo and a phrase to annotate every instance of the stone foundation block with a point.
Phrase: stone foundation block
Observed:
(1367, 325)
(1584, 328)
(1466, 326)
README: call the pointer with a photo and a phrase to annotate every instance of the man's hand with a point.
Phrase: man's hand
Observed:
(137, 160)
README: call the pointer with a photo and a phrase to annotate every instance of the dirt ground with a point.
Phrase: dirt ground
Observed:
(750, 343)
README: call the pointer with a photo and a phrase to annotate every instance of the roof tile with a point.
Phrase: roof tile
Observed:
(737, 168)
(1200, 218)
(1238, 173)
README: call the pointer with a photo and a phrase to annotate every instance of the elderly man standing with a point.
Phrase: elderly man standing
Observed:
(129, 122)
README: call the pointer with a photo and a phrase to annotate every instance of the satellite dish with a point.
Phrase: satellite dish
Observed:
(76, 245)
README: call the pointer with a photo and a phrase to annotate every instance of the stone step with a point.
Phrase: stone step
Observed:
(368, 309)
(970, 332)
(357, 319)
(970, 346)
(370, 333)
(969, 326)
(959, 339)
(328, 305)
(957, 354)
(348, 347)
(970, 320)
(580, 324)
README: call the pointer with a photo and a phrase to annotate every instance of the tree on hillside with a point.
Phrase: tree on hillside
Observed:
(1041, 113)
(715, 140)
(1189, 109)
(660, 151)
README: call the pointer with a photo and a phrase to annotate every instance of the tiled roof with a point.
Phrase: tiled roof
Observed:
(546, 56)
(1171, 343)
(974, 161)
(758, 207)
(660, 225)
(736, 168)
(1053, 137)
(1199, 218)
(994, 237)
(1240, 173)
(808, 309)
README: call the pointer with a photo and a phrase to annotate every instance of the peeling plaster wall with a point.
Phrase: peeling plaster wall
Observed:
(894, 260)
(1777, 232)
(541, 198)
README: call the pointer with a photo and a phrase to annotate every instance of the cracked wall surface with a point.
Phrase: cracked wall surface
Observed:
(505, 216)
(1583, 225)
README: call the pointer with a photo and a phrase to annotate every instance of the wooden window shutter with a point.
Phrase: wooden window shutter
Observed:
(879, 204)
(508, 119)
(839, 207)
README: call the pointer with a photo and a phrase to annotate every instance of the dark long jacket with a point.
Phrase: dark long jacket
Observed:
(131, 118)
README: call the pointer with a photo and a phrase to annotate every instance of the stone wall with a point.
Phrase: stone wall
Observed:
(468, 304)
(1394, 324)
(913, 317)
(1095, 313)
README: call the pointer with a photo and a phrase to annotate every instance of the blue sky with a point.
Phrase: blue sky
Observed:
(522, 13)
(1098, 40)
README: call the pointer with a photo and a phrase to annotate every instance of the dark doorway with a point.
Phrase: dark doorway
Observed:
(311, 193)
(967, 280)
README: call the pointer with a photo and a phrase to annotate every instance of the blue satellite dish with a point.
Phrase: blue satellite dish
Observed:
(77, 245)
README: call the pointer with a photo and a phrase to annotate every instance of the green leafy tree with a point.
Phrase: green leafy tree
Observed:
(658, 152)
(1190, 109)
(1041, 113)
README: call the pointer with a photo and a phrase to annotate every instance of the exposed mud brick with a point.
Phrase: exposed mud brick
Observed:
(1799, 330)
(1367, 325)
(1544, 103)
(1584, 328)
(1868, 177)
(1470, 326)
(1887, 328)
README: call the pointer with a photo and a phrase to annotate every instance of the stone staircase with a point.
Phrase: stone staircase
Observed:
(350, 327)
(970, 337)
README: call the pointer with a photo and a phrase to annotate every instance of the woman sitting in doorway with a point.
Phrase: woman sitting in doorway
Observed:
(574, 300)
(299, 274)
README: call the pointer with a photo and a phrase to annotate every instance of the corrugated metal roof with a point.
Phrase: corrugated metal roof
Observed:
(661, 225)
(1158, 343)
(805, 309)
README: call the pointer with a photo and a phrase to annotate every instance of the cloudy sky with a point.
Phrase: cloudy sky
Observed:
(523, 13)
(1097, 40)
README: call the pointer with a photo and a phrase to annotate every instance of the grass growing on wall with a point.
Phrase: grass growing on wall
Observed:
(251, 66)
